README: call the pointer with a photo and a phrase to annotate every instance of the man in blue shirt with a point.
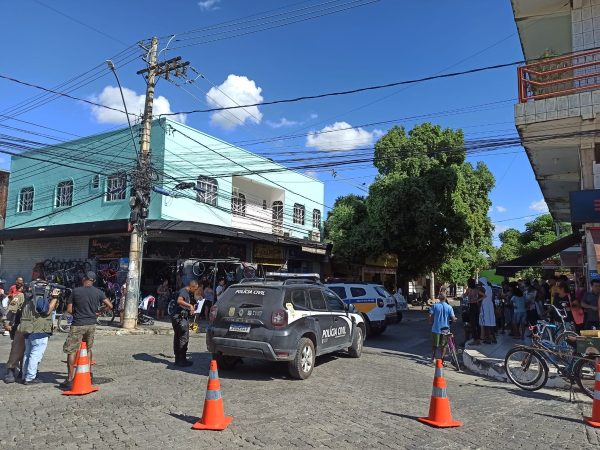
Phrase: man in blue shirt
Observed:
(439, 314)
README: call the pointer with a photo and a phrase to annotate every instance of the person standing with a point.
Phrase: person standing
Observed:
(519, 311)
(36, 325)
(590, 302)
(180, 321)
(220, 289)
(83, 304)
(487, 315)
(530, 303)
(439, 316)
(575, 313)
(163, 294)
(17, 348)
(209, 296)
(475, 297)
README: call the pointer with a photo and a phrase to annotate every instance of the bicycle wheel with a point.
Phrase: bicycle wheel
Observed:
(171, 307)
(585, 375)
(561, 341)
(198, 268)
(526, 369)
(64, 322)
(453, 354)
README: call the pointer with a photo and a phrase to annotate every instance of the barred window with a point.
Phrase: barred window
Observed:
(207, 189)
(238, 203)
(96, 181)
(298, 213)
(25, 199)
(316, 218)
(116, 185)
(64, 194)
(277, 216)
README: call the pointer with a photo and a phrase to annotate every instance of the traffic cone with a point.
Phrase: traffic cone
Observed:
(213, 416)
(594, 421)
(439, 408)
(93, 363)
(82, 383)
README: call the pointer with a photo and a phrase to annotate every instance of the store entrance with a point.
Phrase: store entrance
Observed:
(154, 272)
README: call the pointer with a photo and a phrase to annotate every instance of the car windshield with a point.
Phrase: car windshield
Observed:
(251, 296)
(382, 291)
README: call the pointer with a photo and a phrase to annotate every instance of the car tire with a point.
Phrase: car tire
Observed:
(226, 362)
(368, 329)
(400, 316)
(357, 343)
(377, 331)
(304, 362)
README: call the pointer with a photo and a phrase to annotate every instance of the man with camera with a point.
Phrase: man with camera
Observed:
(36, 325)
(180, 319)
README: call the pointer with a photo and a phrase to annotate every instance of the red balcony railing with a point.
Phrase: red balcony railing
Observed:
(563, 75)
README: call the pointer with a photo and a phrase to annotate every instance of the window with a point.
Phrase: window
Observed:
(316, 219)
(357, 292)
(334, 303)
(238, 203)
(25, 200)
(207, 190)
(95, 181)
(116, 185)
(298, 298)
(382, 291)
(64, 194)
(299, 213)
(317, 301)
(340, 291)
(277, 217)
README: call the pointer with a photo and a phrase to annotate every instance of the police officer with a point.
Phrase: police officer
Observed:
(184, 307)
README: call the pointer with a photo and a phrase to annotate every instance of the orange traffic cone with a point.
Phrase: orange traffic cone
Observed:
(82, 383)
(439, 408)
(594, 421)
(213, 416)
(93, 363)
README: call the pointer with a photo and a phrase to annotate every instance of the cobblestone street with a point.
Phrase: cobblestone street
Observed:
(371, 402)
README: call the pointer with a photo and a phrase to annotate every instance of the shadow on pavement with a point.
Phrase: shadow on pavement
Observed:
(404, 416)
(568, 419)
(514, 390)
(185, 418)
(151, 358)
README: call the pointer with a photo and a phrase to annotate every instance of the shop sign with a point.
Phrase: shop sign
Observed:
(585, 206)
(269, 252)
(316, 251)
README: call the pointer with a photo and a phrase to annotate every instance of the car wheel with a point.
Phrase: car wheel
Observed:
(304, 362)
(369, 330)
(226, 362)
(357, 343)
(400, 316)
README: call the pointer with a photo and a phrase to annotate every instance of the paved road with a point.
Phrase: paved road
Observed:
(371, 402)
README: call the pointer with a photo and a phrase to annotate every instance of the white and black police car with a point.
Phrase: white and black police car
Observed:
(291, 320)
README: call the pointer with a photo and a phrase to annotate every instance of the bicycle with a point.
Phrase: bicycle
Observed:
(554, 332)
(451, 345)
(527, 367)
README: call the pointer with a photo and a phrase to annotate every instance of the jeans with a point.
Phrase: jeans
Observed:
(34, 352)
(181, 338)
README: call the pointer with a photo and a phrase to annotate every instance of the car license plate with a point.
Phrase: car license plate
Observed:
(239, 328)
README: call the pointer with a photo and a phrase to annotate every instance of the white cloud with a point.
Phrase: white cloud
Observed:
(539, 206)
(235, 90)
(209, 5)
(110, 96)
(341, 136)
(283, 122)
(501, 209)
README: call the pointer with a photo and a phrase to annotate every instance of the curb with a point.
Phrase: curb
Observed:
(494, 368)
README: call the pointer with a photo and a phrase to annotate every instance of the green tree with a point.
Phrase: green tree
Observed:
(348, 228)
(428, 205)
(510, 247)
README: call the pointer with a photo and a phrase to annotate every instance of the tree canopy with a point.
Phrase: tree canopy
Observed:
(427, 205)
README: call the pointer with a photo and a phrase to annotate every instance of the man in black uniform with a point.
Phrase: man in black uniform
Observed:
(184, 307)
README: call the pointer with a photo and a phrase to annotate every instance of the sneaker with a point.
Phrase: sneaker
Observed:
(10, 376)
(30, 382)
(6, 333)
(66, 385)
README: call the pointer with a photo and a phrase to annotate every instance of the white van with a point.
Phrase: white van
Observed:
(375, 303)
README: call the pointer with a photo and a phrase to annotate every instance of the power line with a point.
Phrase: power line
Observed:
(352, 91)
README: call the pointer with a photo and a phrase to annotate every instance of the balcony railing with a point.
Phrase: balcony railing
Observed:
(563, 75)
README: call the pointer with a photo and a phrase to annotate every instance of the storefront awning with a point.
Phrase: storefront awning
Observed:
(509, 268)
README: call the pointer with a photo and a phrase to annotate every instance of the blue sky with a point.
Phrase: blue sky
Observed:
(378, 43)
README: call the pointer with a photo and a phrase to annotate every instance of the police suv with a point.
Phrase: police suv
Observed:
(293, 320)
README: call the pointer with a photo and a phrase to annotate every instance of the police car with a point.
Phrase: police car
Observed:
(376, 304)
(293, 320)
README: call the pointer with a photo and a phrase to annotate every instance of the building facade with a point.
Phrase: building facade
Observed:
(557, 113)
(221, 201)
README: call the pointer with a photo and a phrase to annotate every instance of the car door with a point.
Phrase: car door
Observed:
(341, 323)
(321, 318)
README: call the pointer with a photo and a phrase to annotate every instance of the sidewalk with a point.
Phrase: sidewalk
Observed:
(488, 360)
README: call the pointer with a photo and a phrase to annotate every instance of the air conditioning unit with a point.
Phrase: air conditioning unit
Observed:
(314, 235)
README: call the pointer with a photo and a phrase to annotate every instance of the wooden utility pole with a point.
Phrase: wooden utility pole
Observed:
(141, 181)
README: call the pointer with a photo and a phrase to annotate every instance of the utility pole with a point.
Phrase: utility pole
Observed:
(142, 181)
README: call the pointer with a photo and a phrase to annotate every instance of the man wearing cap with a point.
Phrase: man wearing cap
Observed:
(83, 304)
